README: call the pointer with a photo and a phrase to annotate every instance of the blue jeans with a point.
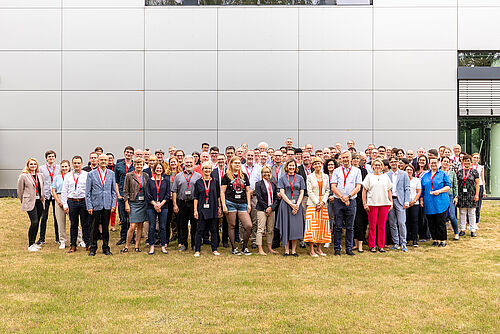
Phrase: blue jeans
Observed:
(162, 221)
(453, 217)
(479, 203)
(344, 218)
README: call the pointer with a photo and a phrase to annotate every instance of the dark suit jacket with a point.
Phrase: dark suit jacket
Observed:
(302, 172)
(261, 192)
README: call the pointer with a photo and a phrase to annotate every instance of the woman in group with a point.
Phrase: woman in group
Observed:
(235, 200)
(436, 201)
(423, 226)
(361, 219)
(377, 201)
(291, 217)
(413, 210)
(266, 192)
(468, 195)
(57, 185)
(171, 169)
(157, 195)
(476, 159)
(317, 228)
(453, 193)
(207, 208)
(30, 193)
(196, 156)
(328, 169)
(135, 203)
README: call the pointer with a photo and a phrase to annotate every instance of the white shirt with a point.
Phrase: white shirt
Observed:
(414, 185)
(255, 177)
(269, 192)
(394, 182)
(69, 190)
(376, 189)
(479, 169)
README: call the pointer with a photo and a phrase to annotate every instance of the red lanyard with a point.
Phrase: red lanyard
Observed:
(432, 180)
(465, 176)
(140, 182)
(476, 168)
(420, 173)
(100, 176)
(35, 179)
(277, 172)
(127, 167)
(308, 170)
(270, 191)
(251, 170)
(62, 175)
(51, 174)
(291, 183)
(207, 189)
(221, 174)
(158, 185)
(76, 180)
(345, 176)
(183, 173)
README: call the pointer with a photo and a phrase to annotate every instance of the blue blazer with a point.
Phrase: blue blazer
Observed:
(402, 186)
(261, 192)
(98, 197)
(164, 194)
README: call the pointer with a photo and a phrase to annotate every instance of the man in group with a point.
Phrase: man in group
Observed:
(338, 146)
(350, 143)
(277, 169)
(217, 174)
(289, 143)
(304, 170)
(100, 199)
(73, 200)
(346, 183)
(214, 153)
(183, 202)
(240, 152)
(309, 148)
(410, 155)
(49, 172)
(171, 151)
(230, 151)
(92, 162)
(401, 201)
(205, 147)
(179, 155)
(455, 158)
(121, 169)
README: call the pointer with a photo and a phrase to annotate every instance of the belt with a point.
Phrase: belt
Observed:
(76, 199)
(393, 197)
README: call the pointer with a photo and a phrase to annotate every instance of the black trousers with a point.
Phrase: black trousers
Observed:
(186, 215)
(360, 223)
(171, 222)
(45, 217)
(99, 217)
(78, 214)
(35, 216)
(437, 225)
(423, 225)
(204, 225)
(412, 223)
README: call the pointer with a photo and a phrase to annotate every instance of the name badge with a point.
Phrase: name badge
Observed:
(140, 198)
(187, 192)
(37, 197)
(206, 206)
(237, 196)
(293, 201)
(465, 190)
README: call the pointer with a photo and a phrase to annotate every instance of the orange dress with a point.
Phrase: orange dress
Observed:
(317, 227)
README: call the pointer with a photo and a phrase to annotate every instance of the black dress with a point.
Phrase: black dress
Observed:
(467, 180)
(361, 219)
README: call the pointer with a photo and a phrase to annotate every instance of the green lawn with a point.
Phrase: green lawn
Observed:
(453, 289)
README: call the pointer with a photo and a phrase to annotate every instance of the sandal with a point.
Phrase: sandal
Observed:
(137, 250)
(124, 250)
(164, 251)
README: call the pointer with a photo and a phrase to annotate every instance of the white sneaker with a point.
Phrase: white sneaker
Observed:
(197, 254)
(32, 248)
(62, 245)
(37, 246)
(216, 253)
(327, 245)
(82, 244)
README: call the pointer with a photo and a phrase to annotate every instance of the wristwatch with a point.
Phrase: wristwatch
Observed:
(349, 196)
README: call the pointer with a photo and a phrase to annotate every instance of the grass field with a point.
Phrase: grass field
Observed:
(453, 289)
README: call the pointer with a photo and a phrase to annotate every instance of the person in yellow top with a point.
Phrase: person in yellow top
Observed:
(317, 229)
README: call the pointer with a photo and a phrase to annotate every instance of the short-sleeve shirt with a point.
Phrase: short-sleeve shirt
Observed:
(183, 185)
(236, 188)
(435, 204)
(414, 185)
(467, 180)
(57, 184)
(351, 176)
(377, 187)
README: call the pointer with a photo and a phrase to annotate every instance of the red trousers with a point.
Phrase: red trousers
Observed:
(377, 217)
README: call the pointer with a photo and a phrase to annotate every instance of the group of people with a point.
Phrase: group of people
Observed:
(292, 197)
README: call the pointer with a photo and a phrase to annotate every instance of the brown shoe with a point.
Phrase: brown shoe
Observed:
(72, 249)
(87, 248)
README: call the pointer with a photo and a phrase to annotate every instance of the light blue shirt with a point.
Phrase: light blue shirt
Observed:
(354, 178)
(57, 184)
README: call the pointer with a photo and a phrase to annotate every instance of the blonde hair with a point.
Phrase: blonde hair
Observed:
(138, 160)
(316, 159)
(230, 173)
(380, 161)
(206, 164)
(264, 169)
(26, 168)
